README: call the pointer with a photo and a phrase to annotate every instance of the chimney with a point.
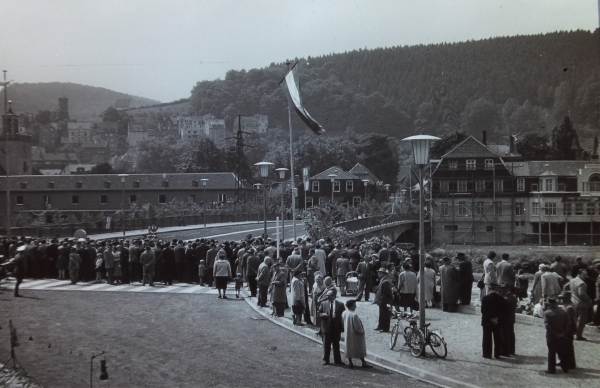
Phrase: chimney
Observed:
(512, 144)
(484, 139)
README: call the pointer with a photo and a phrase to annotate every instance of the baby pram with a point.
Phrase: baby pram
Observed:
(352, 282)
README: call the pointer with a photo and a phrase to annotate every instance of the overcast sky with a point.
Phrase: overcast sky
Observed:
(160, 49)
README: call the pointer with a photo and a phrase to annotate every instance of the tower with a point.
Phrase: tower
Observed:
(18, 146)
(63, 109)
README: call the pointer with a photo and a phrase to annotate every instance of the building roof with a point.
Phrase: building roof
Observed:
(83, 125)
(363, 173)
(547, 167)
(50, 171)
(341, 174)
(96, 182)
(94, 145)
(39, 155)
(470, 147)
(502, 149)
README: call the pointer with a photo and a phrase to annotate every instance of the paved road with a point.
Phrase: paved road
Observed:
(168, 340)
(233, 232)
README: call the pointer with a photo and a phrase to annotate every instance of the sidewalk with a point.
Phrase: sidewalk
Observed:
(464, 366)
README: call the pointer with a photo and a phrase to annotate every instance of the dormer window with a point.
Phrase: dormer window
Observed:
(50, 185)
(471, 164)
(453, 164)
(78, 185)
(107, 184)
(23, 185)
(165, 184)
(195, 183)
(489, 164)
(136, 184)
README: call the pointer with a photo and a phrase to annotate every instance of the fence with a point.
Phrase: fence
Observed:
(102, 226)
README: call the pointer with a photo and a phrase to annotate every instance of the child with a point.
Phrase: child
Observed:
(98, 268)
(201, 272)
(239, 283)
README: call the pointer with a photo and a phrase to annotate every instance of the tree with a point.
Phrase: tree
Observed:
(103, 168)
(111, 115)
(565, 143)
(446, 143)
(533, 146)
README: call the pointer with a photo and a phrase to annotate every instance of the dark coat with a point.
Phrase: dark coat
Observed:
(493, 306)
(335, 325)
(465, 274)
(558, 324)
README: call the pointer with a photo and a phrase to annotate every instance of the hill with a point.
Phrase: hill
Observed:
(84, 101)
(506, 84)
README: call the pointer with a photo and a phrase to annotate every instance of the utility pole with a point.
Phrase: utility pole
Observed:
(6, 131)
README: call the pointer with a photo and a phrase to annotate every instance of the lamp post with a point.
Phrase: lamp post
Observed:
(366, 183)
(204, 182)
(282, 177)
(257, 185)
(264, 168)
(421, 144)
(123, 179)
(332, 178)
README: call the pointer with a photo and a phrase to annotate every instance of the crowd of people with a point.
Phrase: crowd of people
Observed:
(314, 272)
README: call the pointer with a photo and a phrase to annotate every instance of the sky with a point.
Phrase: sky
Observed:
(160, 49)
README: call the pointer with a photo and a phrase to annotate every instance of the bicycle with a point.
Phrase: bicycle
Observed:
(415, 338)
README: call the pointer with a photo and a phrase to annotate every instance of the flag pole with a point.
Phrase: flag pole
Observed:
(293, 185)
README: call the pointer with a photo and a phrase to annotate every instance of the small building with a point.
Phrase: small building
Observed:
(252, 124)
(347, 188)
(136, 134)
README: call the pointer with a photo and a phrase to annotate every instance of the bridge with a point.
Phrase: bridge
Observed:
(391, 225)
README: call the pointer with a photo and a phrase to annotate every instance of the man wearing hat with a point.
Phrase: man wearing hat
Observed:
(332, 327)
(465, 279)
(569, 357)
(384, 298)
(506, 274)
(508, 329)
(493, 314)
(449, 285)
(558, 329)
(581, 301)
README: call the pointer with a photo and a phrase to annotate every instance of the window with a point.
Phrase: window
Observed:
(462, 208)
(489, 164)
(132, 198)
(549, 185)
(162, 198)
(136, 184)
(103, 199)
(534, 187)
(471, 164)
(519, 209)
(78, 185)
(479, 208)
(444, 186)
(195, 183)
(356, 201)
(498, 208)
(461, 186)
(50, 185)
(445, 209)
(550, 208)
(480, 185)
(223, 197)
(451, 228)
(336, 186)
(47, 200)
(453, 164)
(535, 210)
(567, 209)
(323, 200)
(309, 202)
(23, 185)
(191, 197)
(315, 186)
(165, 183)
(349, 186)
(498, 185)
(107, 184)
(578, 209)
(591, 209)
(19, 200)
(520, 184)
(562, 187)
(489, 228)
(75, 200)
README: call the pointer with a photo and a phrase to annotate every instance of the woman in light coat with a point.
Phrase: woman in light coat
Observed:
(221, 273)
(429, 284)
(536, 290)
(354, 335)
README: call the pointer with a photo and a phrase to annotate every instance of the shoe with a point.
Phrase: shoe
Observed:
(299, 324)
(488, 357)
(367, 366)
(565, 370)
(325, 362)
(340, 363)
(18, 296)
(377, 329)
(351, 366)
(225, 297)
(549, 372)
(385, 331)
(220, 297)
(237, 296)
(581, 339)
(497, 357)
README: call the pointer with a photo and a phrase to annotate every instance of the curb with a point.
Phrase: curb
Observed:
(375, 359)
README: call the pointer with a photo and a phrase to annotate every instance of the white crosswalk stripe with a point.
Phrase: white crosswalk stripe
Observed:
(65, 285)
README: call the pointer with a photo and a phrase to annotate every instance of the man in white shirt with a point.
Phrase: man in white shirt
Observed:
(490, 273)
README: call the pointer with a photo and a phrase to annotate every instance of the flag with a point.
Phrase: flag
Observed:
(293, 93)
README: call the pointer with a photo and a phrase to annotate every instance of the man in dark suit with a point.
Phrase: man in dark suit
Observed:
(332, 327)
(465, 279)
(508, 328)
(384, 298)
(558, 328)
(493, 313)
(169, 268)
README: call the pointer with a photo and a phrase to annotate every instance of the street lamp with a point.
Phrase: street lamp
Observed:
(123, 179)
(282, 177)
(204, 182)
(366, 183)
(264, 168)
(421, 144)
(332, 178)
(257, 185)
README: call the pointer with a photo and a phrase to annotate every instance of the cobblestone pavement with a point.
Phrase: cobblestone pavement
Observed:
(464, 363)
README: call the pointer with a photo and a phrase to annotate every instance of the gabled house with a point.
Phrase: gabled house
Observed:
(346, 188)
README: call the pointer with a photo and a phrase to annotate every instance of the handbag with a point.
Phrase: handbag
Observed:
(481, 283)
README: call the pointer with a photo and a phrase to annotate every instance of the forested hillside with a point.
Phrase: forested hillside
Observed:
(84, 101)
(518, 84)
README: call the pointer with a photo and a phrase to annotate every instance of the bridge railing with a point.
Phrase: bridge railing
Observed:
(369, 222)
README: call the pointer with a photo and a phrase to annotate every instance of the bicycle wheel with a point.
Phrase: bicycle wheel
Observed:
(438, 345)
(416, 342)
(394, 337)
